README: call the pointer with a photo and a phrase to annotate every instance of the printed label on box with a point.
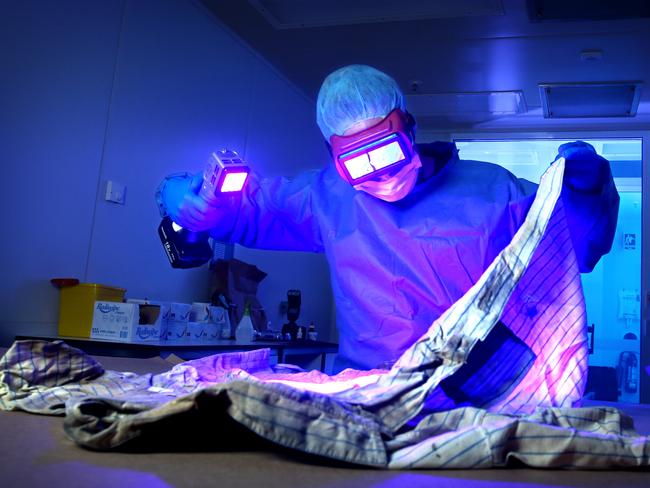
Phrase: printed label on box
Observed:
(126, 322)
(178, 332)
(112, 321)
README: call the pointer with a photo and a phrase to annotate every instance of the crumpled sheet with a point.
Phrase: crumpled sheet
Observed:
(498, 377)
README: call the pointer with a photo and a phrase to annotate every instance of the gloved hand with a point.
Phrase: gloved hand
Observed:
(185, 207)
(570, 149)
(585, 170)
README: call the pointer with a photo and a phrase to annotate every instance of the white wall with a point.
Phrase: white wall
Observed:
(57, 63)
(130, 91)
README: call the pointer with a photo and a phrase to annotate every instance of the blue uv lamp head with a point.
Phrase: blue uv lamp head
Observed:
(225, 172)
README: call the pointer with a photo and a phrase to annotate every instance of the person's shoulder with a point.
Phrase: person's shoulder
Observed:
(475, 175)
(323, 181)
(445, 153)
(441, 151)
(485, 167)
(496, 177)
(306, 176)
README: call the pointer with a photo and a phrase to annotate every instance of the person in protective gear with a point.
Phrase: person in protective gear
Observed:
(407, 228)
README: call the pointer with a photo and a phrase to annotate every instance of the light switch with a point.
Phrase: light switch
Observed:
(115, 192)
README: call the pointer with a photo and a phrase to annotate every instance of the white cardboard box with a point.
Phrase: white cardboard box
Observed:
(121, 322)
(177, 332)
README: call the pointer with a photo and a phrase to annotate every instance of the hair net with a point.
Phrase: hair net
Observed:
(353, 93)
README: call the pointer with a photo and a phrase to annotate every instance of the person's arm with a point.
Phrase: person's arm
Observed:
(270, 213)
(591, 202)
(273, 213)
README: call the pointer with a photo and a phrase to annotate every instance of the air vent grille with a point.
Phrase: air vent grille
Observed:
(584, 100)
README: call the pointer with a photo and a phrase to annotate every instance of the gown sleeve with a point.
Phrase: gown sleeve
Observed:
(273, 213)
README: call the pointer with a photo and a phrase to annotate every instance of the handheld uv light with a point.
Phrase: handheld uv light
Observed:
(225, 173)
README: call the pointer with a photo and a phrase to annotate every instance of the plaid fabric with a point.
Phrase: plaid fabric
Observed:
(41, 377)
(514, 346)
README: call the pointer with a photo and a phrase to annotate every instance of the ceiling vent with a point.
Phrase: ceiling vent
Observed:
(585, 100)
(298, 14)
(561, 10)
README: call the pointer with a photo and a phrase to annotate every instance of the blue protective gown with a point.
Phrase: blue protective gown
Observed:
(395, 267)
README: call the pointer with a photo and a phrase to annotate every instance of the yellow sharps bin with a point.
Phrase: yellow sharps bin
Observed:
(76, 306)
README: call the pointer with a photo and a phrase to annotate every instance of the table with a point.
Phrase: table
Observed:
(192, 351)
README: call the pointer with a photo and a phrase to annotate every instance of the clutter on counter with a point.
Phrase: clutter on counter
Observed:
(96, 311)
(101, 312)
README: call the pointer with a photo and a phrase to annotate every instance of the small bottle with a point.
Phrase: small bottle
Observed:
(291, 330)
(245, 331)
(312, 335)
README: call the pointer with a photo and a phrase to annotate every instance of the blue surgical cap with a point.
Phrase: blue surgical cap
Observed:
(354, 93)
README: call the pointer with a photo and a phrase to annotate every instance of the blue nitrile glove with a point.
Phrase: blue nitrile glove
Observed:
(178, 197)
(591, 202)
(585, 170)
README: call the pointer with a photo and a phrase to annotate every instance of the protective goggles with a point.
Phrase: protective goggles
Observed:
(376, 150)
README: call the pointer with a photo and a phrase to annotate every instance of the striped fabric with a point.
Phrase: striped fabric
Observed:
(497, 378)
(41, 377)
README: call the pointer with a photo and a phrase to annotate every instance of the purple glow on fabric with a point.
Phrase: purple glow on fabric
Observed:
(330, 385)
(557, 330)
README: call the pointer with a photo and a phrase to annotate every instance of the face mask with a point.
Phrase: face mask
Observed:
(392, 187)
